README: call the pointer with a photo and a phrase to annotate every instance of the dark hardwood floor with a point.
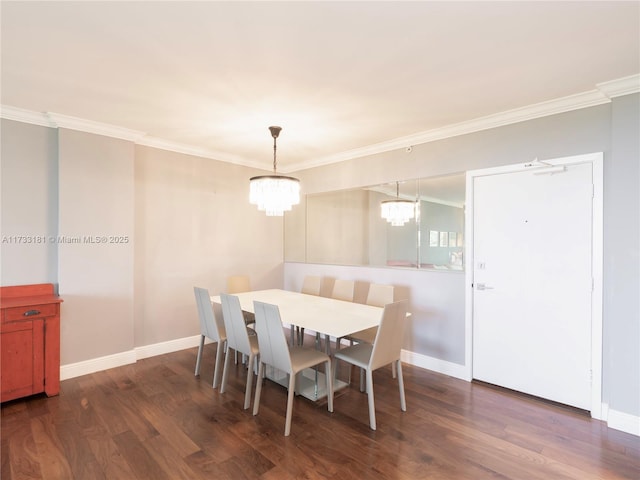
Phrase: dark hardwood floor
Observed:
(155, 420)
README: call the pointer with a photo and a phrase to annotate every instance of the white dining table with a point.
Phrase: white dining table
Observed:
(337, 318)
(328, 316)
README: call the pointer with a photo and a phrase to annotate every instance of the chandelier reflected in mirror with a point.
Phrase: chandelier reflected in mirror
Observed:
(397, 211)
(274, 194)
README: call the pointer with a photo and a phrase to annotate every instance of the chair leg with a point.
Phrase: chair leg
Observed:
(362, 380)
(225, 370)
(292, 335)
(327, 344)
(256, 399)
(372, 407)
(403, 401)
(393, 370)
(247, 392)
(199, 356)
(216, 371)
(287, 422)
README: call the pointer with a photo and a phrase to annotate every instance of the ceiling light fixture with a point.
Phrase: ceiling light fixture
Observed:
(397, 212)
(275, 194)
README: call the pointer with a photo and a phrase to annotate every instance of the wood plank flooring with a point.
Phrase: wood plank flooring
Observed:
(155, 420)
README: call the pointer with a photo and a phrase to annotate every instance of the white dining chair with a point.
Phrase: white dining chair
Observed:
(276, 353)
(212, 327)
(311, 285)
(238, 340)
(378, 296)
(238, 284)
(386, 349)
(342, 290)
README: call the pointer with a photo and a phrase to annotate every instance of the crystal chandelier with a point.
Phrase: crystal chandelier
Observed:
(397, 212)
(274, 194)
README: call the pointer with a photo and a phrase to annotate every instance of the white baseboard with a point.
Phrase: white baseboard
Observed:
(93, 365)
(623, 421)
(435, 364)
(166, 347)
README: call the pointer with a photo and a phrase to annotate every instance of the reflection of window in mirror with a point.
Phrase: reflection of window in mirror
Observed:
(442, 222)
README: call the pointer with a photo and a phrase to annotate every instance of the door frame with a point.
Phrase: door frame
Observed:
(596, 160)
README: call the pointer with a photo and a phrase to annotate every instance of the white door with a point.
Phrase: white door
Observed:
(532, 282)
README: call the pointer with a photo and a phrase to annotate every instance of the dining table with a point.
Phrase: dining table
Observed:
(327, 316)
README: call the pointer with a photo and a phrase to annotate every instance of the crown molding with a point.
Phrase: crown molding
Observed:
(74, 123)
(25, 116)
(531, 112)
(56, 120)
(603, 93)
(162, 144)
(621, 86)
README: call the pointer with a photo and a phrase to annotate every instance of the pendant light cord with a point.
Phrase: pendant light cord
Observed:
(274, 154)
(275, 131)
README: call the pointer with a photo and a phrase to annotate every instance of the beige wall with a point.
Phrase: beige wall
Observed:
(29, 200)
(95, 246)
(194, 226)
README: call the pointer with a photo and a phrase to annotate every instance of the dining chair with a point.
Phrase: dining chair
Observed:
(342, 290)
(275, 352)
(212, 327)
(238, 340)
(240, 284)
(378, 296)
(311, 286)
(386, 349)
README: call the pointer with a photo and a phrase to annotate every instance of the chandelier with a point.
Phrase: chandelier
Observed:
(397, 212)
(274, 194)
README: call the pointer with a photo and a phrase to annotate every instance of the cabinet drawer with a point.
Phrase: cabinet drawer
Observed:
(30, 311)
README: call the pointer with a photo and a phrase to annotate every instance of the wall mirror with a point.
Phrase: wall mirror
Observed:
(346, 227)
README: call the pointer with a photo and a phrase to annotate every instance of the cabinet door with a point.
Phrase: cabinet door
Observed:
(22, 359)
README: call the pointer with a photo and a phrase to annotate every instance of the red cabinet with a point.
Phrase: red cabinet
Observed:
(29, 341)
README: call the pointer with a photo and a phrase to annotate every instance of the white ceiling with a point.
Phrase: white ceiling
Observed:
(337, 76)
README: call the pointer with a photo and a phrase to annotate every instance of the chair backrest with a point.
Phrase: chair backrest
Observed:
(343, 290)
(211, 323)
(237, 336)
(311, 285)
(388, 343)
(379, 295)
(272, 342)
(238, 284)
